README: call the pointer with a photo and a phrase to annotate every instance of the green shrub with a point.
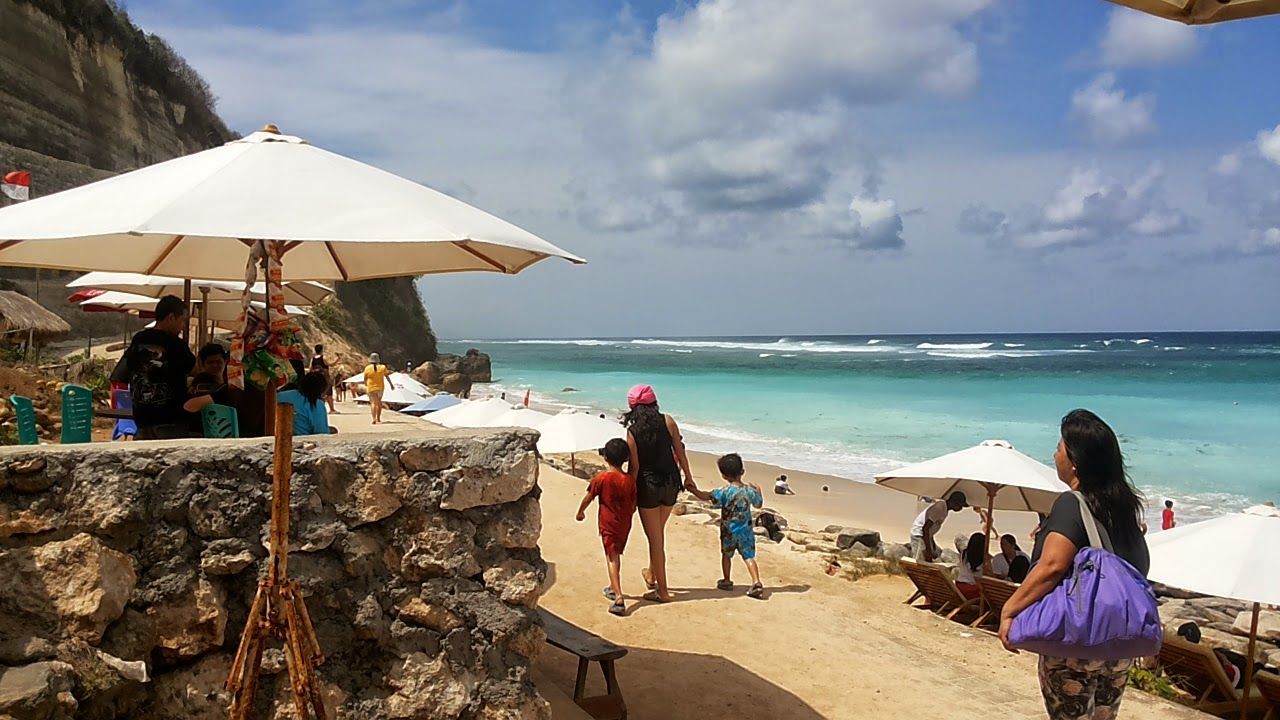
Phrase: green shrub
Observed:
(1154, 682)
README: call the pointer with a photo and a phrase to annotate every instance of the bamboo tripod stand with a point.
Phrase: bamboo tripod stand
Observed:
(278, 609)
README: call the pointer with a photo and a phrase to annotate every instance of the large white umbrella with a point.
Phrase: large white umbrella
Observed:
(573, 432)
(1233, 556)
(398, 379)
(299, 292)
(470, 413)
(518, 417)
(396, 396)
(338, 219)
(990, 474)
(1201, 12)
(220, 312)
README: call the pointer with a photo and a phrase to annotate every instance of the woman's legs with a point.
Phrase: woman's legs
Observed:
(654, 522)
(1083, 689)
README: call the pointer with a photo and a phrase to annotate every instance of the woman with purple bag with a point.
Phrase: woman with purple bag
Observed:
(1086, 606)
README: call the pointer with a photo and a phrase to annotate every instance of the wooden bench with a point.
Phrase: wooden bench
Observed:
(589, 648)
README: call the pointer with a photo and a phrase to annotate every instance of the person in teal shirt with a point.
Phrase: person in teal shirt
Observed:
(735, 500)
(307, 399)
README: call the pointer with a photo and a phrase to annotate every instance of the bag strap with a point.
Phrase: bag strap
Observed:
(1091, 525)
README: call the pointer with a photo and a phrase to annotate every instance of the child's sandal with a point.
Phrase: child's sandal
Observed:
(608, 593)
(617, 608)
(724, 584)
(756, 591)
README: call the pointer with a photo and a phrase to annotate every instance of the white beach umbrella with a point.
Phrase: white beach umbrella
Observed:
(398, 379)
(221, 312)
(573, 432)
(298, 292)
(518, 417)
(401, 396)
(338, 219)
(1232, 556)
(1201, 12)
(991, 474)
(471, 413)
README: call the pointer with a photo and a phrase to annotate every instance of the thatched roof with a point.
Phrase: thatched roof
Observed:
(20, 315)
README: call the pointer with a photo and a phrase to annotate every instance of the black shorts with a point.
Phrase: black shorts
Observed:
(656, 490)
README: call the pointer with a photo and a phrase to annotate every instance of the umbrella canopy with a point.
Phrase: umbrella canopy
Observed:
(1233, 556)
(518, 417)
(471, 413)
(339, 219)
(992, 475)
(221, 312)
(401, 396)
(1201, 12)
(398, 379)
(299, 292)
(571, 432)
(438, 402)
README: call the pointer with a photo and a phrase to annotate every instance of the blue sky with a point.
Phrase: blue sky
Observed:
(818, 166)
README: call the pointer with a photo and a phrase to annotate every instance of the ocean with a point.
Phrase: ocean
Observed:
(1198, 414)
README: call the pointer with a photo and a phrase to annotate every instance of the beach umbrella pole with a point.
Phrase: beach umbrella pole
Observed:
(186, 302)
(1248, 663)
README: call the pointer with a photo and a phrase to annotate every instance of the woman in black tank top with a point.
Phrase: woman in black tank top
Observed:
(657, 459)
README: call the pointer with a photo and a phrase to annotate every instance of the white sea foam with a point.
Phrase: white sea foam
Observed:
(1142, 341)
(1014, 345)
(874, 342)
(953, 346)
(764, 355)
(807, 346)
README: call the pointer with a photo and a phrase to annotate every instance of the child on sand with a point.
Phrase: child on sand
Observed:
(1167, 521)
(735, 501)
(617, 493)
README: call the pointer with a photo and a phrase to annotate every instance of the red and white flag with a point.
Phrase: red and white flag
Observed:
(17, 185)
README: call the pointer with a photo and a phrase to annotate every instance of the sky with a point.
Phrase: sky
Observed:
(742, 167)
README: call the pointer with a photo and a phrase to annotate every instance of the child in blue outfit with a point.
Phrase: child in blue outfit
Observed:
(735, 501)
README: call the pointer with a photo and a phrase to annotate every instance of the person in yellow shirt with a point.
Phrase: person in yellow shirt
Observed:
(376, 377)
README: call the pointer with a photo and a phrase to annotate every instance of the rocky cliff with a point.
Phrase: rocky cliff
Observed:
(85, 94)
(129, 569)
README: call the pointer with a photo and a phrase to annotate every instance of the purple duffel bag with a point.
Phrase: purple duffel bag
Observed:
(1104, 609)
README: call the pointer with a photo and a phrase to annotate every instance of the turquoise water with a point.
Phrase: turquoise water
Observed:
(1198, 413)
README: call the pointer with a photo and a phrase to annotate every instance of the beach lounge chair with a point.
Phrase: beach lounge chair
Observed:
(77, 414)
(933, 583)
(1268, 685)
(25, 413)
(1194, 668)
(994, 593)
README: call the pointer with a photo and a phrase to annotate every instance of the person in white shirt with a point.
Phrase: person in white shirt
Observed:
(1009, 551)
(971, 562)
(782, 487)
(923, 547)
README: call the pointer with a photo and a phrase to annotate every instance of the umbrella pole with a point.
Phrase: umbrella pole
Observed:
(204, 316)
(186, 302)
(986, 531)
(1248, 664)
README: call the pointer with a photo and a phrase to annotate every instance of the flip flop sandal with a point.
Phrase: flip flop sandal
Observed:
(724, 584)
(608, 593)
(618, 609)
(653, 597)
(756, 591)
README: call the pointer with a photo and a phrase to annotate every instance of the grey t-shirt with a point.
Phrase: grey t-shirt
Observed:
(1065, 520)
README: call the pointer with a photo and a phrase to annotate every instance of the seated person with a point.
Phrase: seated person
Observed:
(975, 555)
(1019, 568)
(1003, 561)
(212, 360)
(208, 389)
(1233, 663)
(782, 487)
(307, 399)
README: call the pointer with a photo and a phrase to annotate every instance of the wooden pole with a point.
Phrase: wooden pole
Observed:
(990, 521)
(282, 475)
(1248, 663)
(186, 302)
(202, 336)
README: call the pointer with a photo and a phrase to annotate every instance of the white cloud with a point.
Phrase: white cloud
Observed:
(1088, 209)
(1228, 164)
(1269, 144)
(1107, 116)
(1137, 39)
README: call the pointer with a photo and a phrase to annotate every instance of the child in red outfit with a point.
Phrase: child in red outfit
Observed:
(617, 492)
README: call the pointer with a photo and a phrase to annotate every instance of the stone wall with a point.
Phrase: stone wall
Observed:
(126, 572)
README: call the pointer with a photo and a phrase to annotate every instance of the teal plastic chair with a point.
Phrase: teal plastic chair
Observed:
(25, 413)
(77, 414)
(220, 421)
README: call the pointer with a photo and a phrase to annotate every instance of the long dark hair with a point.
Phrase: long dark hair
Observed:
(975, 553)
(312, 386)
(645, 423)
(1092, 446)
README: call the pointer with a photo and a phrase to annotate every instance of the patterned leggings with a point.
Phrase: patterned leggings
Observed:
(1083, 689)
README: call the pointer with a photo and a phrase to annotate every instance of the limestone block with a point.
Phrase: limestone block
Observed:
(445, 545)
(23, 522)
(421, 458)
(361, 495)
(427, 688)
(476, 486)
(434, 617)
(78, 584)
(515, 582)
(39, 691)
(1268, 625)
(518, 524)
(192, 624)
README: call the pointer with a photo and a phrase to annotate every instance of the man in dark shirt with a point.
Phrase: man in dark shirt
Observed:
(156, 366)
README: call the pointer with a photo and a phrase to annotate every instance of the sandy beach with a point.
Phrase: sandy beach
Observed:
(816, 647)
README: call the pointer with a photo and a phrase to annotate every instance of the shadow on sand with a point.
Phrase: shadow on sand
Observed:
(678, 595)
(670, 685)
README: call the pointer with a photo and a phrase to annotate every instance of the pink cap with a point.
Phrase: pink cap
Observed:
(641, 395)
